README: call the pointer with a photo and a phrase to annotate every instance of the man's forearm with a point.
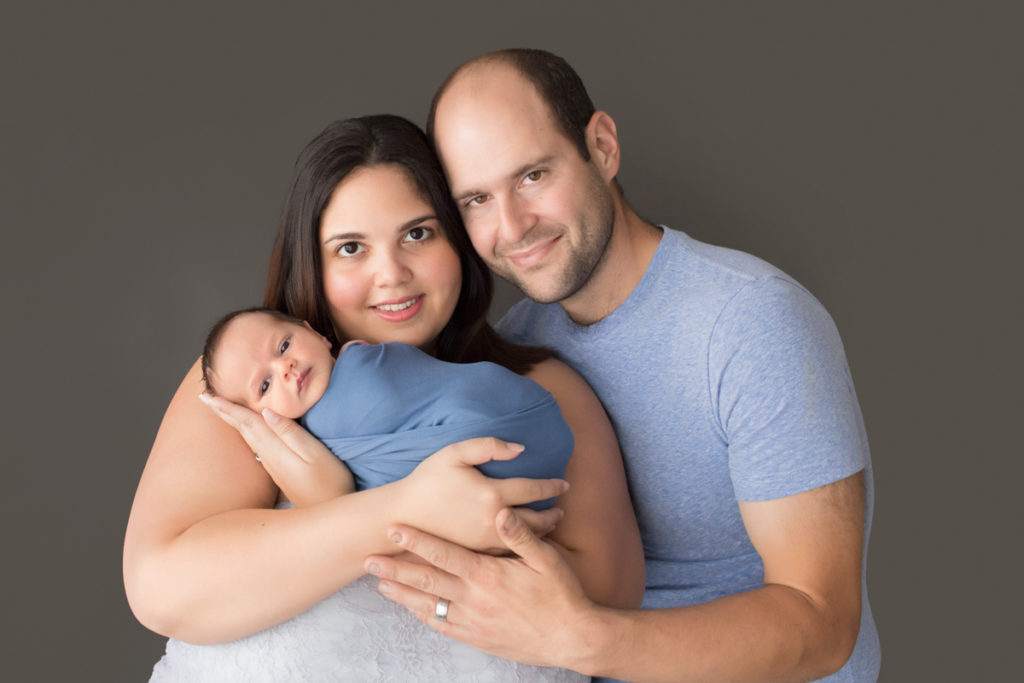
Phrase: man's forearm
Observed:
(772, 633)
(532, 608)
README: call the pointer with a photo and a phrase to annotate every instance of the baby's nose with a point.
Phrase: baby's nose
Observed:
(285, 365)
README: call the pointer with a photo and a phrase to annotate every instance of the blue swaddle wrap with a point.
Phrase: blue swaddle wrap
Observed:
(389, 406)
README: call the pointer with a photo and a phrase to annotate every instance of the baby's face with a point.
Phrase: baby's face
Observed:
(262, 362)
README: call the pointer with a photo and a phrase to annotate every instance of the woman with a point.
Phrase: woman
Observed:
(371, 247)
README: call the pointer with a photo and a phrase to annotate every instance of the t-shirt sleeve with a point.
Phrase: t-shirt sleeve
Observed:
(781, 392)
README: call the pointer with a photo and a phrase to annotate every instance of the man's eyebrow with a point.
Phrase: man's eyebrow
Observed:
(462, 196)
(522, 170)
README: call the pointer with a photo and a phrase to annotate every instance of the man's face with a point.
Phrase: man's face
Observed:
(537, 213)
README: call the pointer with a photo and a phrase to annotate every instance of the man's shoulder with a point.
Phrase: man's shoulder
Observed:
(700, 260)
(704, 280)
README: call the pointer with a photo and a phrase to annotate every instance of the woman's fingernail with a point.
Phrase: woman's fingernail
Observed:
(270, 416)
(565, 486)
(510, 523)
(515, 447)
(373, 568)
(384, 587)
(205, 398)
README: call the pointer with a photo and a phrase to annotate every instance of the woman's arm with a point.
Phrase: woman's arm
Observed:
(207, 560)
(305, 477)
(598, 536)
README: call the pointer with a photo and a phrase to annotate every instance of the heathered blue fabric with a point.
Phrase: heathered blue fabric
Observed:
(725, 380)
(389, 406)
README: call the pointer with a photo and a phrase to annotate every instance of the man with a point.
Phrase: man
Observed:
(728, 389)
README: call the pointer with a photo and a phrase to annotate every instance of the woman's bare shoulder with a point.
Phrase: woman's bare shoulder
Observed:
(561, 380)
(198, 467)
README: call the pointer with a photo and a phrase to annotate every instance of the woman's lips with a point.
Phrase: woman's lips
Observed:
(398, 310)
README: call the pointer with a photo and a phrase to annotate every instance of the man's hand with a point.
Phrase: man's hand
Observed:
(524, 608)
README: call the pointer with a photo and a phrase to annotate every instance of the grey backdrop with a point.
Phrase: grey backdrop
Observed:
(872, 150)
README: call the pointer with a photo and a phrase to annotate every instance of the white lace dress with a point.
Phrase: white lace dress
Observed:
(354, 635)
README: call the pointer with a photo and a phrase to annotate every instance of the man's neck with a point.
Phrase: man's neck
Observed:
(629, 252)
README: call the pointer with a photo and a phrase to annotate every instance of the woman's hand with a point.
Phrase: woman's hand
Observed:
(447, 496)
(302, 467)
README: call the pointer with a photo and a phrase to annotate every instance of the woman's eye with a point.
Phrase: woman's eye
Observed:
(264, 386)
(478, 200)
(534, 176)
(285, 344)
(418, 234)
(349, 249)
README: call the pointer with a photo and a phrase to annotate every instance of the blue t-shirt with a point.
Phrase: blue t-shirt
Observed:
(725, 380)
(389, 406)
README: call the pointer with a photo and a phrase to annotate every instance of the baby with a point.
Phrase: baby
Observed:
(383, 408)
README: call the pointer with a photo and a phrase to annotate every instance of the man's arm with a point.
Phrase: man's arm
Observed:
(801, 625)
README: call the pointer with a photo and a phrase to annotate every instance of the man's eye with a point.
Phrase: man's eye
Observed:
(350, 249)
(285, 344)
(418, 234)
(534, 176)
(264, 386)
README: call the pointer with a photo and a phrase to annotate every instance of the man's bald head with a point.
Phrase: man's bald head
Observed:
(558, 85)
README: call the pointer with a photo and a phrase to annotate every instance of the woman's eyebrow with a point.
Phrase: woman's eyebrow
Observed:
(415, 221)
(401, 228)
(345, 236)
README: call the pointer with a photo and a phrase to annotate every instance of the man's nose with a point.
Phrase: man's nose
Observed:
(516, 219)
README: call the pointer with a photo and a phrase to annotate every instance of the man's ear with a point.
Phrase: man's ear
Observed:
(603, 144)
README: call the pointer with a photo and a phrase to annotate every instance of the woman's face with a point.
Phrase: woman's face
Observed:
(389, 271)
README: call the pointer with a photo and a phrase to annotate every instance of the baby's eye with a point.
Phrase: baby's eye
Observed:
(418, 234)
(349, 249)
(264, 386)
(285, 344)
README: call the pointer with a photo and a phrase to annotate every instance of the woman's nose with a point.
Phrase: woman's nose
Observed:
(391, 270)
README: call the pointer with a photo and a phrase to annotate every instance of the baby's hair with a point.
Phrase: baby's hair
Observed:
(217, 331)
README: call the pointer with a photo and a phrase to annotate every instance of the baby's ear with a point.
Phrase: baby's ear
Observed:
(310, 327)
